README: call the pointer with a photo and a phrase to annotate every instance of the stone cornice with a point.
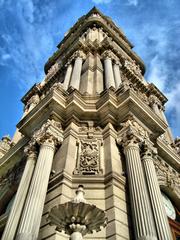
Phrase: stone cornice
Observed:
(108, 107)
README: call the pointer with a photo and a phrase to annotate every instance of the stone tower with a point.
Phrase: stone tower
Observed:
(95, 121)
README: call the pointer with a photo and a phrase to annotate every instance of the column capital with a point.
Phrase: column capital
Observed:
(107, 54)
(69, 61)
(132, 133)
(50, 132)
(117, 62)
(30, 151)
(148, 151)
(79, 54)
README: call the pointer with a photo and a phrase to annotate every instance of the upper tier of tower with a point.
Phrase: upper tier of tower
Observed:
(94, 32)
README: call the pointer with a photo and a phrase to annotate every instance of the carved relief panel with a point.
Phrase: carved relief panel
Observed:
(89, 149)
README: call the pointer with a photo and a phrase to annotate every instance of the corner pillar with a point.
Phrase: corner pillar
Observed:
(140, 205)
(17, 207)
(109, 76)
(67, 76)
(47, 137)
(117, 75)
(161, 221)
(76, 74)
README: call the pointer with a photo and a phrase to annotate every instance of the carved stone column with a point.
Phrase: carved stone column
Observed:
(168, 131)
(47, 137)
(161, 221)
(76, 74)
(154, 103)
(109, 76)
(67, 76)
(17, 207)
(140, 205)
(117, 75)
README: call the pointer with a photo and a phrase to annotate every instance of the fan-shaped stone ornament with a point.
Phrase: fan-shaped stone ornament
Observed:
(77, 218)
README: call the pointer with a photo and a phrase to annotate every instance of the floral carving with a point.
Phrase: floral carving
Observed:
(88, 161)
(53, 70)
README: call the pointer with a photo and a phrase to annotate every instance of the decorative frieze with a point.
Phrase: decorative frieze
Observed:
(52, 71)
(133, 67)
(167, 176)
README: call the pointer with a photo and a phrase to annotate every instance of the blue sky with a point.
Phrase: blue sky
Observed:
(31, 29)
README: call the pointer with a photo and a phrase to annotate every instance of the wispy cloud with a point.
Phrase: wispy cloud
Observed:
(101, 1)
(132, 2)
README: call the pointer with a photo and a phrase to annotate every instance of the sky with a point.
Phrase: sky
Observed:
(30, 30)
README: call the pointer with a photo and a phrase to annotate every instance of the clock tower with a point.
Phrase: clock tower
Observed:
(94, 121)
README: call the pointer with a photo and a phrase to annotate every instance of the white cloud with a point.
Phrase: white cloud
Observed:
(173, 109)
(6, 56)
(133, 2)
(101, 1)
(157, 74)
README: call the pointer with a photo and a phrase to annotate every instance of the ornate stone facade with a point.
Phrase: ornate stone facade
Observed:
(93, 120)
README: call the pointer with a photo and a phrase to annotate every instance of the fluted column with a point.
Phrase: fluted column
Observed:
(17, 207)
(140, 206)
(161, 221)
(117, 75)
(67, 76)
(109, 76)
(48, 136)
(76, 74)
